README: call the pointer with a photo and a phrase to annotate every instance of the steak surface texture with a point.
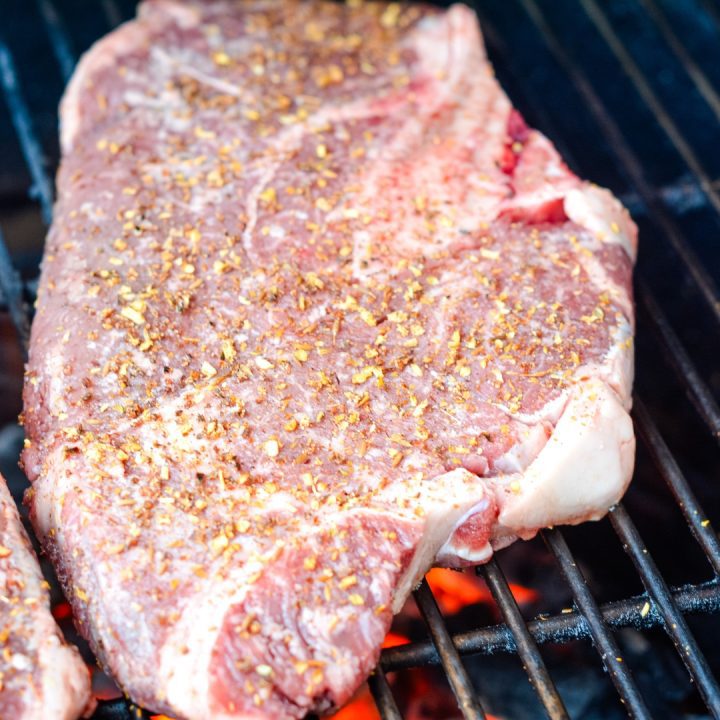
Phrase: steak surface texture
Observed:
(317, 311)
(41, 676)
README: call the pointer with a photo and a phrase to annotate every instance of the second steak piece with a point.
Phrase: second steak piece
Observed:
(40, 676)
(317, 310)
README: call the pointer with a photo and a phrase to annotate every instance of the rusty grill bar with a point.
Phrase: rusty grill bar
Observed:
(659, 606)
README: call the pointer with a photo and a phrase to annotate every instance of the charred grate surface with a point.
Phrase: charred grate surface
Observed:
(666, 212)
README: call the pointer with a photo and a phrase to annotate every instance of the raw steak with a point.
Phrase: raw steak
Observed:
(40, 676)
(317, 311)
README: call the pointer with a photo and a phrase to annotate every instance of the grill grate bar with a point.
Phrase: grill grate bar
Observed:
(495, 43)
(11, 287)
(602, 638)
(382, 694)
(651, 100)
(670, 470)
(628, 160)
(32, 150)
(698, 77)
(59, 39)
(700, 395)
(527, 649)
(675, 624)
(635, 612)
(449, 656)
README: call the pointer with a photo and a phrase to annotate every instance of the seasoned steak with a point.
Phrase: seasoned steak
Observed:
(317, 311)
(40, 676)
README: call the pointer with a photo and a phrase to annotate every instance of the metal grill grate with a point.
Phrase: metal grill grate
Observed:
(660, 605)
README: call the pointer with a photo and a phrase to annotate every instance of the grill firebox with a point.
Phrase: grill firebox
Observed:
(627, 91)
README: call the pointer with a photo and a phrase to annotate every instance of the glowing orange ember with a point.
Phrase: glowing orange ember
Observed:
(394, 639)
(454, 590)
(361, 707)
(524, 595)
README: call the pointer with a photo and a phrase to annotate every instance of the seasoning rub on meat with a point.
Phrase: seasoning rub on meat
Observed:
(317, 310)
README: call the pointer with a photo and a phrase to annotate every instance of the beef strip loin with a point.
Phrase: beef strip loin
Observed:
(317, 310)
(40, 676)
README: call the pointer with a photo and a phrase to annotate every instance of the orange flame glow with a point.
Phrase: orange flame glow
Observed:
(361, 707)
(454, 590)
(394, 639)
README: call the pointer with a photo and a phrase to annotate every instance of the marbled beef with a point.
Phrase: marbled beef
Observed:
(317, 310)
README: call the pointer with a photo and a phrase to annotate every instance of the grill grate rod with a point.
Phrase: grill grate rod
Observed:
(12, 289)
(698, 77)
(675, 624)
(636, 612)
(32, 150)
(628, 159)
(670, 470)
(532, 98)
(602, 637)
(642, 85)
(700, 394)
(449, 656)
(527, 649)
(382, 694)
(59, 39)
